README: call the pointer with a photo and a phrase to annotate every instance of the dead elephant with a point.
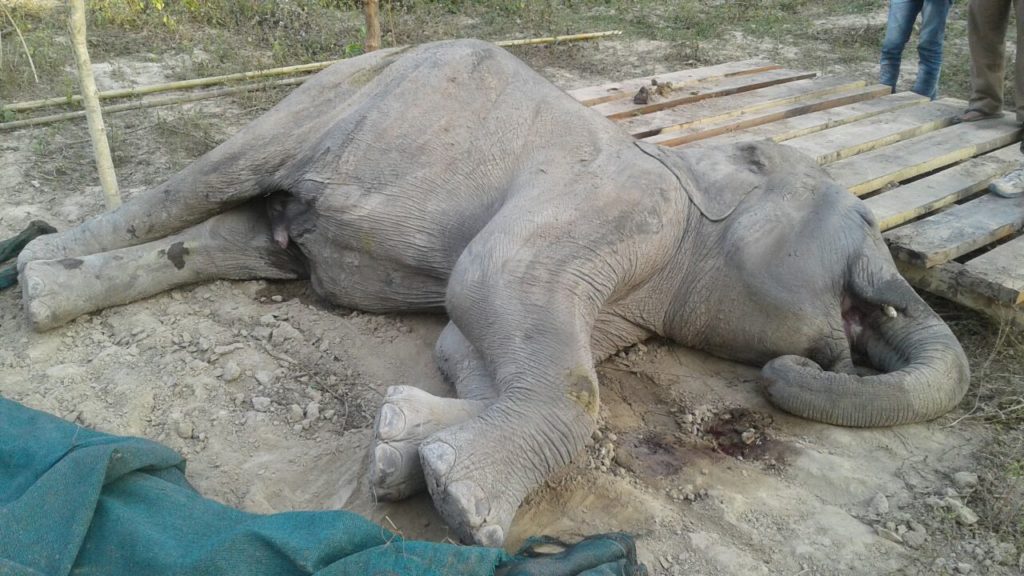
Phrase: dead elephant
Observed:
(451, 177)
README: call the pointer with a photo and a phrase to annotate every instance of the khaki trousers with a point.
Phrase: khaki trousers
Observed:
(987, 21)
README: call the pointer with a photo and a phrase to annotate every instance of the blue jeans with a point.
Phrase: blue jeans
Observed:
(902, 14)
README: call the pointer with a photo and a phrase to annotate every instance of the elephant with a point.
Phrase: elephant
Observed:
(450, 177)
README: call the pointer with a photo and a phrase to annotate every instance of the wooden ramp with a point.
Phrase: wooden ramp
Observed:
(923, 177)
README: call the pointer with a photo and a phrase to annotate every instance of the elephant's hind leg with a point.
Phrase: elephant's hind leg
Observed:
(234, 245)
(248, 165)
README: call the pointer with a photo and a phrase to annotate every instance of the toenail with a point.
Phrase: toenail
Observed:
(39, 313)
(490, 535)
(35, 287)
(396, 390)
(390, 422)
(470, 498)
(387, 461)
(440, 457)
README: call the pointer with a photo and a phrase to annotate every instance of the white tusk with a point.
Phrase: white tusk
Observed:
(889, 311)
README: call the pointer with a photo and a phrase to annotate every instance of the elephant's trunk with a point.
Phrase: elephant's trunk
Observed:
(925, 371)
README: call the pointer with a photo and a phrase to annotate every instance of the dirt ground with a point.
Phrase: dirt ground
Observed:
(270, 394)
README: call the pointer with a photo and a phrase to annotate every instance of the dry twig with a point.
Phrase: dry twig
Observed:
(24, 45)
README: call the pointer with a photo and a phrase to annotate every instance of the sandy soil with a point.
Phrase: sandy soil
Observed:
(270, 394)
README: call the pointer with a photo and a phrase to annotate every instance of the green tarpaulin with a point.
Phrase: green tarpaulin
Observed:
(11, 247)
(76, 501)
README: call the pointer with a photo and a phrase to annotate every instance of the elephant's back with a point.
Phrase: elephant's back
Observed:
(427, 152)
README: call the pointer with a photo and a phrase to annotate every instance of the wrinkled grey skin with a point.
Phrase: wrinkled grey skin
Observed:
(453, 178)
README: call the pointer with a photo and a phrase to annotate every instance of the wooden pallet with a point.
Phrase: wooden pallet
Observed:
(923, 177)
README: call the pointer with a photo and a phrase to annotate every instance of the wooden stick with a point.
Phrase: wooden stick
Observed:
(301, 68)
(171, 86)
(558, 39)
(98, 132)
(152, 103)
(371, 9)
(24, 46)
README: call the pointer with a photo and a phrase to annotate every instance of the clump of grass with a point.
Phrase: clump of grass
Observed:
(1000, 402)
(996, 399)
(49, 53)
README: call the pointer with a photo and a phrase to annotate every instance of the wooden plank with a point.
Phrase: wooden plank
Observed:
(745, 121)
(909, 201)
(946, 280)
(869, 134)
(903, 160)
(815, 122)
(625, 108)
(999, 273)
(719, 109)
(957, 231)
(593, 95)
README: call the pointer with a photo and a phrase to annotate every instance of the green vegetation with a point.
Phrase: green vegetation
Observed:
(237, 35)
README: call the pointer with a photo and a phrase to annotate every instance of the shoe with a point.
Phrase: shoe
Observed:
(1010, 185)
(974, 116)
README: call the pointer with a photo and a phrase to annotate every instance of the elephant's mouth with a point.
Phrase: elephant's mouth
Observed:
(904, 365)
(862, 321)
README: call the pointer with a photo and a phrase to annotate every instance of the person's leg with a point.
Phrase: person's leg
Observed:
(902, 14)
(986, 34)
(1012, 184)
(929, 47)
(1018, 68)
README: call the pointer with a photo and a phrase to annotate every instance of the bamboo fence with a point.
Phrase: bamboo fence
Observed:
(140, 91)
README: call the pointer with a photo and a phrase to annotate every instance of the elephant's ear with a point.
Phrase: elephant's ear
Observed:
(715, 178)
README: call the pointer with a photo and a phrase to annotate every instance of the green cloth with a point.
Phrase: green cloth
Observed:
(12, 246)
(76, 501)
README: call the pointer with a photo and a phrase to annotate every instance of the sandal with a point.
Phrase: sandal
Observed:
(975, 115)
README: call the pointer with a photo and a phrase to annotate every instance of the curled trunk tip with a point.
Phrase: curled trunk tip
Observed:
(925, 389)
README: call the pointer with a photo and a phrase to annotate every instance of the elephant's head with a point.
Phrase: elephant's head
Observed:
(794, 275)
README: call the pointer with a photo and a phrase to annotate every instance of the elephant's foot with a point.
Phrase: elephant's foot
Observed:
(45, 247)
(409, 415)
(49, 299)
(475, 499)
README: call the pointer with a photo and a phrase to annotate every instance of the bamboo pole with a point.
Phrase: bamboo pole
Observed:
(97, 131)
(301, 68)
(170, 86)
(152, 103)
(558, 39)
(371, 9)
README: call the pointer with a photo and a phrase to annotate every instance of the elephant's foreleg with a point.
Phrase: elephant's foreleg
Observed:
(409, 415)
(530, 319)
(234, 245)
